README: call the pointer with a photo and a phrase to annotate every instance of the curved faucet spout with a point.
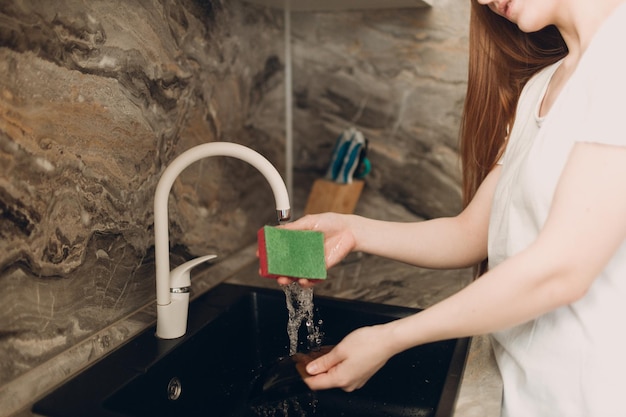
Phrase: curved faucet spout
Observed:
(161, 230)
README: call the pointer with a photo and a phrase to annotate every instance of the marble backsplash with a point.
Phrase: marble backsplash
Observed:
(96, 98)
(400, 77)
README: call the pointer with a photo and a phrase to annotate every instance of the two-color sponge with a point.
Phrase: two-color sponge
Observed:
(291, 253)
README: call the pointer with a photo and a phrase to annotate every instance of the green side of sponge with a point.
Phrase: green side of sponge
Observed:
(291, 253)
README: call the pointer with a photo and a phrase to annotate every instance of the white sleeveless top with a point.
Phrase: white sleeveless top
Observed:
(572, 361)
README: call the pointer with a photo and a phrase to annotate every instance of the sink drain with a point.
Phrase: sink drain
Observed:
(174, 389)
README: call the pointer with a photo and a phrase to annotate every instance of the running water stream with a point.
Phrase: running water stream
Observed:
(299, 302)
(300, 307)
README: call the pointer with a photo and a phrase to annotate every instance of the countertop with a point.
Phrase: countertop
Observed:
(359, 277)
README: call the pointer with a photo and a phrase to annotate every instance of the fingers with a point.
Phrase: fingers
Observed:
(306, 222)
(334, 378)
(323, 372)
(284, 280)
(301, 223)
(304, 283)
(307, 283)
(323, 363)
(324, 381)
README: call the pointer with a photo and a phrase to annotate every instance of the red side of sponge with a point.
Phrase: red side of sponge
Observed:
(263, 254)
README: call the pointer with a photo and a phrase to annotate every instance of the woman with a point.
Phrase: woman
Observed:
(546, 207)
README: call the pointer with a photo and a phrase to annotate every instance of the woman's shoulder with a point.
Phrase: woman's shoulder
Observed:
(542, 77)
(535, 89)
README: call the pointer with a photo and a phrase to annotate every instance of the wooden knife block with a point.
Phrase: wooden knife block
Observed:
(331, 196)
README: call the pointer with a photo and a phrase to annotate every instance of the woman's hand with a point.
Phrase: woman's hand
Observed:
(351, 363)
(339, 240)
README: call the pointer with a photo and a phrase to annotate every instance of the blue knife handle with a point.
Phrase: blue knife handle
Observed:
(338, 155)
(352, 159)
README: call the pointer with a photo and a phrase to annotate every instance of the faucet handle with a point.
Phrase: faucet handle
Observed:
(172, 317)
(180, 277)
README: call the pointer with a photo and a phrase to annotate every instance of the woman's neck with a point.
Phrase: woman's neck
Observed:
(579, 22)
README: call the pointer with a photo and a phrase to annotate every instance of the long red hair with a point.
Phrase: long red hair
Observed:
(501, 60)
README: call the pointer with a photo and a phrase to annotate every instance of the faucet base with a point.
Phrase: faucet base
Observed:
(172, 318)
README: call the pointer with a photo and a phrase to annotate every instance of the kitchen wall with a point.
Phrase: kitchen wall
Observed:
(400, 77)
(96, 98)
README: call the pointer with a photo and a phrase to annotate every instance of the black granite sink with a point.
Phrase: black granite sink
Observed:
(235, 332)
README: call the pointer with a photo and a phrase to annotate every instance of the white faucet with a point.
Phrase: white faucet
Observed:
(172, 288)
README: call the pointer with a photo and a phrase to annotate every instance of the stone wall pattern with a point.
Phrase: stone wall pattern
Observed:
(400, 77)
(96, 98)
